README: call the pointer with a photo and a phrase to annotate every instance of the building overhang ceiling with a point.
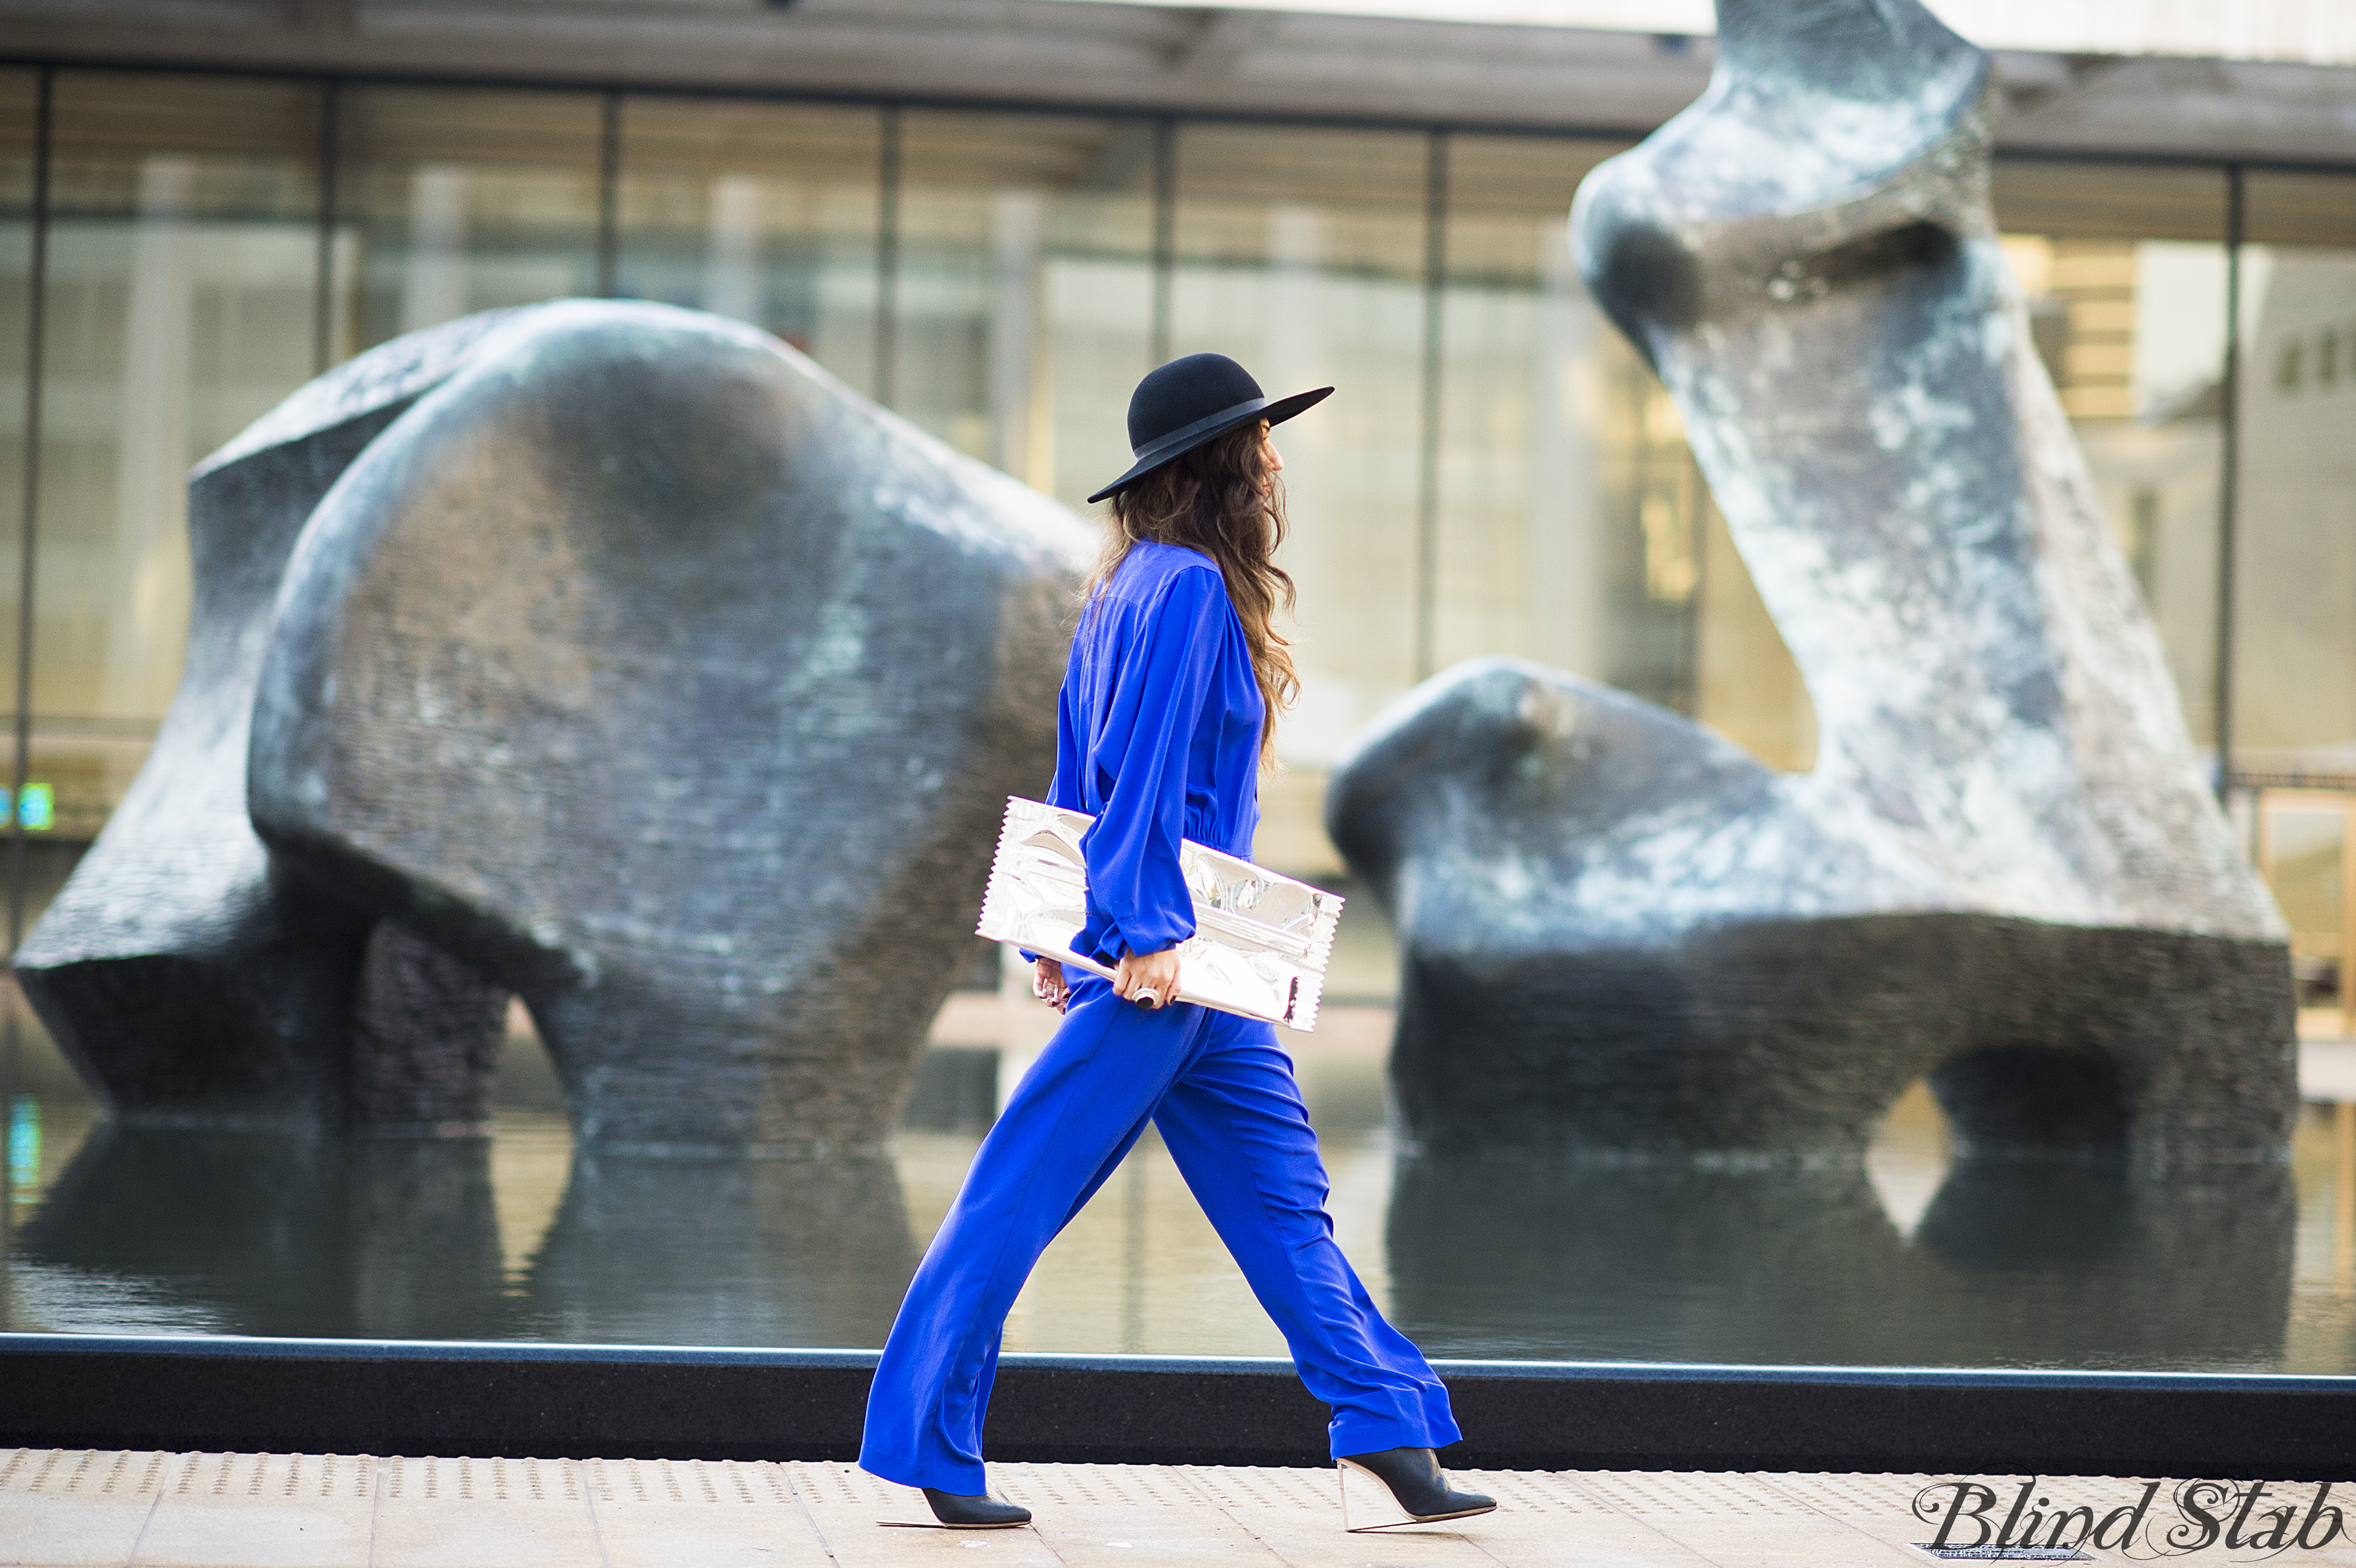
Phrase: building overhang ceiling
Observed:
(1187, 59)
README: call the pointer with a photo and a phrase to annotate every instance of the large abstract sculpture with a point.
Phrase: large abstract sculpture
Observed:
(182, 973)
(620, 659)
(1626, 937)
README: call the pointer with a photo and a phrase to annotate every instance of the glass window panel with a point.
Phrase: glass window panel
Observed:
(180, 293)
(1023, 301)
(19, 110)
(1300, 253)
(1574, 526)
(450, 201)
(763, 212)
(1521, 509)
(2298, 210)
(2108, 201)
(2123, 272)
(2295, 643)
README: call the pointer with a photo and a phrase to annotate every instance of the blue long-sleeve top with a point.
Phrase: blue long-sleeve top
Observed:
(1157, 737)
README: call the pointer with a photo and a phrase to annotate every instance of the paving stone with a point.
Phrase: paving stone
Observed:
(61, 1506)
(264, 1511)
(1544, 1520)
(1116, 1516)
(484, 1513)
(1738, 1520)
(846, 1504)
(713, 1514)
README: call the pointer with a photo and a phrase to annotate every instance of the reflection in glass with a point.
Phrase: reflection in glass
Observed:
(19, 132)
(1528, 361)
(1024, 295)
(1575, 528)
(2124, 271)
(1300, 253)
(452, 201)
(765, 213)
(181, 270)
(2295, 656)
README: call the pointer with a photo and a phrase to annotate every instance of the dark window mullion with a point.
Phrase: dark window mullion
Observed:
(2229, 440)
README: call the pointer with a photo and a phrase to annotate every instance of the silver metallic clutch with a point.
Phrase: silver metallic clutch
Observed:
(1260, 941)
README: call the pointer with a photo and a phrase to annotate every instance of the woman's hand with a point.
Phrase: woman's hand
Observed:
(1047, 983)
(1150, 981)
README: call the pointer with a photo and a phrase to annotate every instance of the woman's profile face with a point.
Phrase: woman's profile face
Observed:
(1273, 461)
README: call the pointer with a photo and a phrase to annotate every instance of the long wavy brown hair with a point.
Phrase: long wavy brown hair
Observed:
(1221, 499)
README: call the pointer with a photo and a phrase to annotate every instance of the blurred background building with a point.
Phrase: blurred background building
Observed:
(994, 215)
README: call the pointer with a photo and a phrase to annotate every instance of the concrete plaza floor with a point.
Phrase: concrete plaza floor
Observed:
(247, 1510)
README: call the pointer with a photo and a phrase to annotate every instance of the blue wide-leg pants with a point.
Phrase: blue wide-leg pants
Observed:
(1222, 1093)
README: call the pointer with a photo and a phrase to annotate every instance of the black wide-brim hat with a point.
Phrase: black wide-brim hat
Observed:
(1193, 400)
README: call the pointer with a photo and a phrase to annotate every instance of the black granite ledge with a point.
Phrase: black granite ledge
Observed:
(582, 1401)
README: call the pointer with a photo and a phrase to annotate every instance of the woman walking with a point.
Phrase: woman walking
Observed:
(1176, 673)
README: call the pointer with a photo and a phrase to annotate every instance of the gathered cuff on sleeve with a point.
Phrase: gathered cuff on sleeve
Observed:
(1108, 941)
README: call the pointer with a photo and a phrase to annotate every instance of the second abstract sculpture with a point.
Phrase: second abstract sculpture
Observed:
(1627, 938)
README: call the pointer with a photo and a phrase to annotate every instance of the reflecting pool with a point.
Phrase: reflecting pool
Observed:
(1906, 1259)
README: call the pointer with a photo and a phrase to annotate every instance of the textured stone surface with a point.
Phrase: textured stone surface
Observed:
(426, 1032)
(678, 690)
(617, 657)
(183, 979)
(1624, 936)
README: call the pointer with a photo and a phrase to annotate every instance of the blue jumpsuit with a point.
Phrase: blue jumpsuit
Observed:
(1158, 736)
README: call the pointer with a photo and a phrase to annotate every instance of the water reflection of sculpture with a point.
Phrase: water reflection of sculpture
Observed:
(268, 1232)
(2015, 1263)
(607, 655)
(2006, 871)
(260, 1232)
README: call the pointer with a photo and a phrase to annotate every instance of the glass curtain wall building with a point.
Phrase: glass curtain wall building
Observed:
(1499, 474)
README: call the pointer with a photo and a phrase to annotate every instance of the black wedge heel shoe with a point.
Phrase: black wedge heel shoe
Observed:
(1416, 1484)
(983, 1512)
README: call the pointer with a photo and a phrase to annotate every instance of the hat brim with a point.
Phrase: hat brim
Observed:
(1275, 410)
